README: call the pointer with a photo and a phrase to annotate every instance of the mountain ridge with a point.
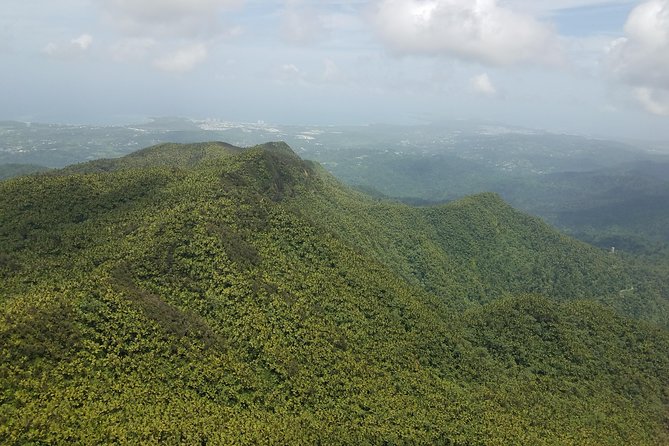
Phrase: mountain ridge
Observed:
(250, 297)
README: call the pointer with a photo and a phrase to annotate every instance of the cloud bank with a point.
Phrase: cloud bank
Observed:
(181, 30)
(641, 58)
(474, 30)
(169, 18)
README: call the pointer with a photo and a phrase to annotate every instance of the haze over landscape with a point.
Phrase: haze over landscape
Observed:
(346, 222)
(576, 66)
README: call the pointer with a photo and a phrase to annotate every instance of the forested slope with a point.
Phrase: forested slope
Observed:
(479, 248)
(205, 293)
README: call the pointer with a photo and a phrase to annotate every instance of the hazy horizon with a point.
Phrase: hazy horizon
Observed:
(584, 67)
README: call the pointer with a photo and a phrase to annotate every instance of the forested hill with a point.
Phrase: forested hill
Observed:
(209, 294)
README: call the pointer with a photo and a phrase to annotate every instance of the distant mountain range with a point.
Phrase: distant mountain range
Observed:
(211, 294)
(607, 193)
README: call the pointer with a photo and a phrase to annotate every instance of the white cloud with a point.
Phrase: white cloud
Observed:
(84, 41)
(476, 30)
(171, 18)
(181, 30)
(483, 85)
(655, 101)
(641, 58)
(301, 24)
(65, 50)
(183, 59)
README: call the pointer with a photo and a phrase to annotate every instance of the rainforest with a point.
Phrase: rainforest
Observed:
(211, 294)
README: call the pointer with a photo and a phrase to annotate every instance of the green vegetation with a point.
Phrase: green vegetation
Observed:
(17, 170)
(606, 193)
(208, 294)
(626, 206)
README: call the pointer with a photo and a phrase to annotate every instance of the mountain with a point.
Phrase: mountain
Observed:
(607, 193)
(204, 293)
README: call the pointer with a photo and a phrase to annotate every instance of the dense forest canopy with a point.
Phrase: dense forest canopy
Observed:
(204, 293)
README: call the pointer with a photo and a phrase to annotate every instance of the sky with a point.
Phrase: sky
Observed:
(591, 67)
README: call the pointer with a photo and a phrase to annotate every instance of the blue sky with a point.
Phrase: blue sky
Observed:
(577, 66)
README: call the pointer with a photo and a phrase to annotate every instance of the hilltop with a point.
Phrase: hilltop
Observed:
(205, 293)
